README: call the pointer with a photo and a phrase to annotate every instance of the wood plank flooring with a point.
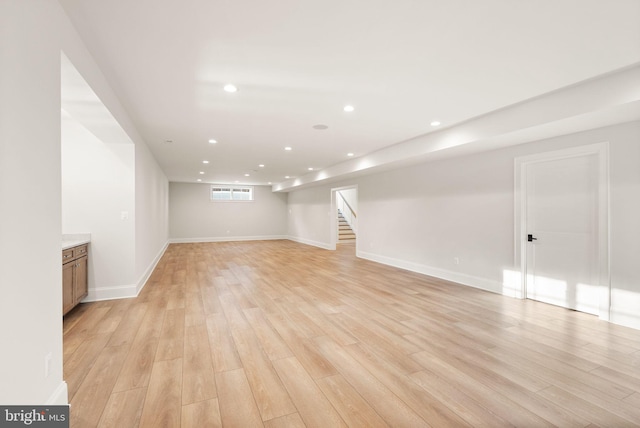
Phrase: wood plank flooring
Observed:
(279, 334)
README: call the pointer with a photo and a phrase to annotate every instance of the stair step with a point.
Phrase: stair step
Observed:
(345, 232)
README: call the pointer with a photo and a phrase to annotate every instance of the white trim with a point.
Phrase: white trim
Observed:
(351, 186)
(601, 150)
(311, 242)
(111, 293)
(59, 397)
(333, 217)
(460, 278)
(626, 318)
(125, 291)
(145, 276)
(227, 239)
(333, 220)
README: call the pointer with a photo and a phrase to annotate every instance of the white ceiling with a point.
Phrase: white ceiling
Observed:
(297, 63)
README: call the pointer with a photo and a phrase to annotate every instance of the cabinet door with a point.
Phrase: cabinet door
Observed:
(68, 300)
(81, 285)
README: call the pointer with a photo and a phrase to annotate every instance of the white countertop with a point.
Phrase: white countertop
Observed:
(74, 243)
(73, 240)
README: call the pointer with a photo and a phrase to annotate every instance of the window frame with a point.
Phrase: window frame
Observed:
(233, 189)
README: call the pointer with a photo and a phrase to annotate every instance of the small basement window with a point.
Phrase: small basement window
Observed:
(231, 193)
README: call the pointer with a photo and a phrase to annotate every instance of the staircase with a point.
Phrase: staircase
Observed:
(345, 233)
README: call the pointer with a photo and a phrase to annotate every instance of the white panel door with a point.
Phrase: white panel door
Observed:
(562, 225)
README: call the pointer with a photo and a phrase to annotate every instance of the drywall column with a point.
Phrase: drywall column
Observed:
(30, 219)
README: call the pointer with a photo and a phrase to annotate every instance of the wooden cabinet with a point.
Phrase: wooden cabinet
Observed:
(74, 276)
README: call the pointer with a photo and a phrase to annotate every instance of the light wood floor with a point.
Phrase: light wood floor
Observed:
(279, 334)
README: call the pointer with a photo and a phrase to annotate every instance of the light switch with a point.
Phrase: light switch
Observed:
(124, 215)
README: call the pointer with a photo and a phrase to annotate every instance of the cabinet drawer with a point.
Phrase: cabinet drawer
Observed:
(79, 251)
(75, 261)
(67, 255)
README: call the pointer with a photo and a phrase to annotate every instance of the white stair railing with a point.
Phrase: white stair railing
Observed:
(347, 212)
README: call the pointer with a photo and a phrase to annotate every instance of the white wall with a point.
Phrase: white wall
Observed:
(151, 213)
(625, 227)
(310, 217)
(32, 36)
(421, 217)
(194, 217)
(98, 183)
(30, 219)
(351, 196)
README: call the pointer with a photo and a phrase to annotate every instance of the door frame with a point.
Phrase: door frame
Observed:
(334, 218)
(601, 151)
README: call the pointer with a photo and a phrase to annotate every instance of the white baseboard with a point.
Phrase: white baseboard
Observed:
(460, 278)
(125, 291)
(111, 293)
(631, 320)
(60, 396)
(226, 239)
(305, 241)
(145, 276)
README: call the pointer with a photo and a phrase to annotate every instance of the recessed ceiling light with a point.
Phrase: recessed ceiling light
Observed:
(435, 123)
(320, 127)
(349, 154)
(261, 165)
(286, 176)
(168, 141)
(269, 183)
(201, 172)
(205, 161)
(230, 88)
(349, 108)
(310, 169)
(288, 149)
(199, 179)
(212, 141)
(246, 175)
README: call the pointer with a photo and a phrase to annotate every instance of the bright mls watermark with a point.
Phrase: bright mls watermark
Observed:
(34, 416)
